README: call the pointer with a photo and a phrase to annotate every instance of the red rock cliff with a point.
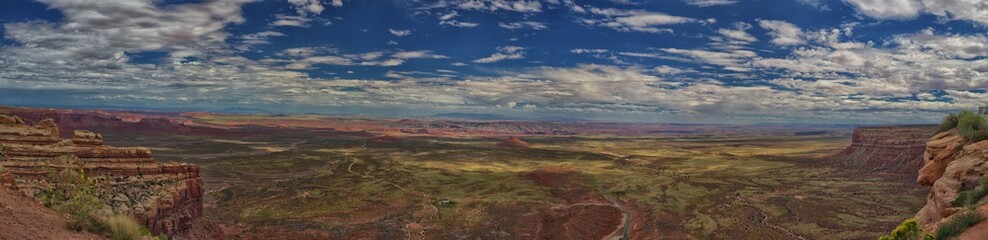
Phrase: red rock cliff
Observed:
(890, 149)
(165, 197)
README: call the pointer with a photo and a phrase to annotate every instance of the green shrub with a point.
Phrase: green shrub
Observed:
(957, 224)
(125, 228)
(972, 126)
(949, 122)
(907, 230)
(73, 193)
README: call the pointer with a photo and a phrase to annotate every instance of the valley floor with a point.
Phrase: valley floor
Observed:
(346, 185)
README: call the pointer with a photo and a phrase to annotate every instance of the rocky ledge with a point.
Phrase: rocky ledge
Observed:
(952, 165)
(165, 197)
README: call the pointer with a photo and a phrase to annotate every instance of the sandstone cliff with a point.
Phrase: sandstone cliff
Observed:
(890, 149)
(952, 165)
(165, 197)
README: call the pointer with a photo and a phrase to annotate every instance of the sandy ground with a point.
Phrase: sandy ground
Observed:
(23, 218)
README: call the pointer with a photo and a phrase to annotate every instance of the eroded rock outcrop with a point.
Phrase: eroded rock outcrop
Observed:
(951, 165)
(889, 149)
(165, 197)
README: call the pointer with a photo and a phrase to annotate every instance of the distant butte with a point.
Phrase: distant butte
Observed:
(514, 142)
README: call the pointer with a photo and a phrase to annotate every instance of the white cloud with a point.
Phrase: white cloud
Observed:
(708, 3)
(738, 33)
(400, 33)
(447, 19)
(496, 5)
(969, 10)
(783, 33)
(261, 38)
(633, 20)
(887, 9)
(290, 21)
(503, 53)
(584, 50)
(305, 7)
(524, 25)
(417, 54)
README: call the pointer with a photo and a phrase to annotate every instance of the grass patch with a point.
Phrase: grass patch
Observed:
(957, 224)
(125, 228)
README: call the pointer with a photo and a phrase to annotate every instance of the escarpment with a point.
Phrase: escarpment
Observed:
(951, 166)
(165, 197)
(888, 149)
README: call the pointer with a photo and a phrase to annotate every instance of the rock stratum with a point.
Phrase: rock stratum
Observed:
(951, 165)
(889, 149)
(165, 197)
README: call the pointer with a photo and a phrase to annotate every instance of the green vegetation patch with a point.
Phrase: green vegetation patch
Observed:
(957, 224)
(972, 126)
(970, 197)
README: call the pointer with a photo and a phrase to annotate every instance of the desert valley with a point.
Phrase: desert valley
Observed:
(209, 176)
(493, 119)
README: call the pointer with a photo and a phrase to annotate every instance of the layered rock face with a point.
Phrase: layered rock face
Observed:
(951, 166)
(165, 197)
(891, 149)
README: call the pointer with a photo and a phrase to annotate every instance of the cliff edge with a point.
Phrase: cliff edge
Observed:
(165, 197)
(896, 150)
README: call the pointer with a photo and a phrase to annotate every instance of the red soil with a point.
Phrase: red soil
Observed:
(586, 215)
(578, 221)
(22, 217)
(564, 184)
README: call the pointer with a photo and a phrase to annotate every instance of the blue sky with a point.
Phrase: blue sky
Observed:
(719, 61)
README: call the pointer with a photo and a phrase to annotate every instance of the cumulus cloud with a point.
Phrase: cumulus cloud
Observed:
(887, 9)
(782, 32)
(86, 56)
(970, 10)
(503, 53)
(967, 10)
(98, 32)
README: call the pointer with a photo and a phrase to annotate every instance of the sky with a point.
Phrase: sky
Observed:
(677, 61)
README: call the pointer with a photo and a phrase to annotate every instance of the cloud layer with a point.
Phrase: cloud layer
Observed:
(614, 61)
